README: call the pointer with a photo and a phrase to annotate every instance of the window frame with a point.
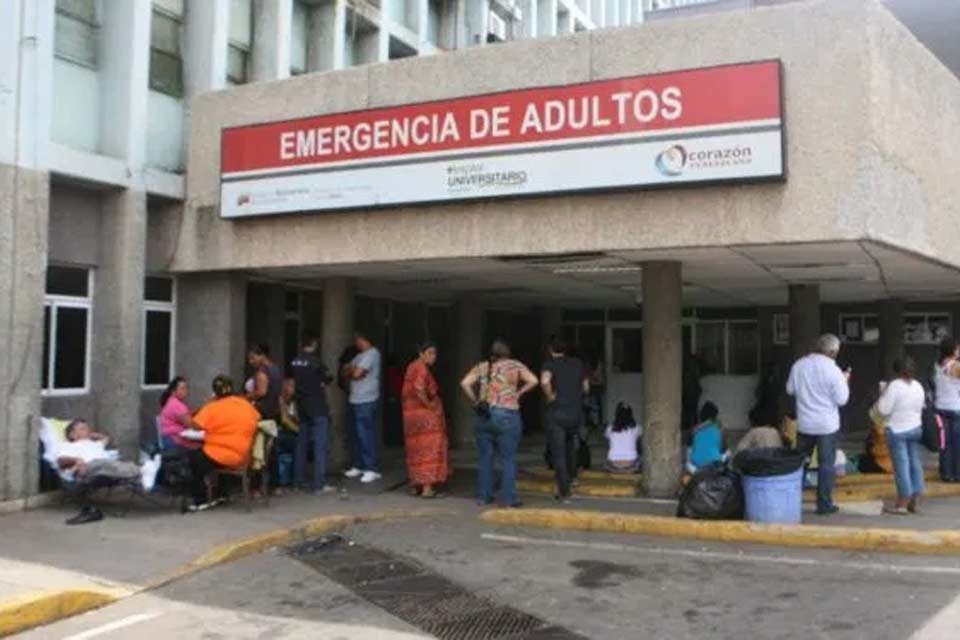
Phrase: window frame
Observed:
(157, 51)
(727, 324)
(94, 25)
(158, 306)
(54, 302)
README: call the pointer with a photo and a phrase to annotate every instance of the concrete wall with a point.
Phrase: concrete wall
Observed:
(74, 229)
(834, 54)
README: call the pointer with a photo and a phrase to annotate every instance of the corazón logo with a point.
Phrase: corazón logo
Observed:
(671, 162)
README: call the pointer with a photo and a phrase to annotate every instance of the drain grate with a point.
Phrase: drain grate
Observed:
(424, 599)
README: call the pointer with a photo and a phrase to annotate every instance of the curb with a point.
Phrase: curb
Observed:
(904, 541)
(43, 608)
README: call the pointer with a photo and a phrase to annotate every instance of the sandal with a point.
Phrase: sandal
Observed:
(896, 511)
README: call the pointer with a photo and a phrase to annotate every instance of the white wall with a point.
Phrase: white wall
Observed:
(76, 106)
(164, 132)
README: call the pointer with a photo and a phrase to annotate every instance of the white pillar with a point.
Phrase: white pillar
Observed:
(530, 21)
(272, 27)
(546, 18)
(612, 17)
(124, 81)
(26, 71)
(476, 14)
(326, 36)
(205, 47)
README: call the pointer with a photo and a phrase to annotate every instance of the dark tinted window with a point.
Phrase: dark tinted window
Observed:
(67, 281)
(156, 369)
(158, 289)
(45, 365)
(69, 369)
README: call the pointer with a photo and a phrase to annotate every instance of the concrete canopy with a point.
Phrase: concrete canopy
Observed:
(871, 126)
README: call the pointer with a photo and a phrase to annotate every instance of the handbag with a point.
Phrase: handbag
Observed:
(482, 408)
(933, 435)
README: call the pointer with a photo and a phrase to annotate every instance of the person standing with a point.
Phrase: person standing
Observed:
(565, 383)
(495, 387)
(946, 383)
(311, 378)
(424, 425)
(363, 373)
(267, 383)
(820, 389)
(901, 403)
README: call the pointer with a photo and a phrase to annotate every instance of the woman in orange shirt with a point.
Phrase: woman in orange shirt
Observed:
(229, 423)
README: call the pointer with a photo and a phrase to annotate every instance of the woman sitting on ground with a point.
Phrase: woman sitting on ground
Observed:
(707, 447)
(901, 403)
(762, 434)
(175, 416)
(229, 424)
(624, 438)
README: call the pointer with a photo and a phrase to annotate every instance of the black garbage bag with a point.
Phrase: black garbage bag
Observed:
(767, 462)
(714, 493)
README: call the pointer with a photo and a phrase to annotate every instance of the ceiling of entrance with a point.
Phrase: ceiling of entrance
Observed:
(715, 276)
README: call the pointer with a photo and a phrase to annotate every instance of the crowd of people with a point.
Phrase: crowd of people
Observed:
(294, 412)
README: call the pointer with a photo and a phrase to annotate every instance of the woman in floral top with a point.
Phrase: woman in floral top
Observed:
(495, 387)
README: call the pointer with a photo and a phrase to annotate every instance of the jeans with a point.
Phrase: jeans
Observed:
(907, 466)
(311, 428)
(285, 444)
(950, 456)
(827, 459)
(501, 432)
(363, 435)
(563, 430)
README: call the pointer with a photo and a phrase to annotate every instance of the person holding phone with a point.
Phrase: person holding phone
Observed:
(820, 389)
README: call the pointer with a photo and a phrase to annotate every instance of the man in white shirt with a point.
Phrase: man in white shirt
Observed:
(820, 389)
(364, 375)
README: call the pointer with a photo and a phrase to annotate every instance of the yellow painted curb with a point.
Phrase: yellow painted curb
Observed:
(44, 608)
(38, 609)
(848, 538)
(596, 490)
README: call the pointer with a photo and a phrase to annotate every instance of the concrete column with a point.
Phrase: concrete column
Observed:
(211, 329)
(206, 32)
(662, 377)
(546, 18)
(326, 36)
(468, 330)
(804, 318)
(272, 27)
(124, 80)
(118, 316)
(26, 71)
(891, 336)
(337, 332)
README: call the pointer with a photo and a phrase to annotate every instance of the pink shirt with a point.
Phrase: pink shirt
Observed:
(171, 424)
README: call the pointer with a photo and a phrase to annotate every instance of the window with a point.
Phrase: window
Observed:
(781, 328)
(166, 63)
(241, 39)
(730, 347)
(626, 350)
(859, 328)
(66, 331)
(926, 328)
(292, 329)
(159, 317)
(77, 29)
(298, 38)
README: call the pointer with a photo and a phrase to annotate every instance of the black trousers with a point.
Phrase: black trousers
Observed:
(563, 432)
(200, 466)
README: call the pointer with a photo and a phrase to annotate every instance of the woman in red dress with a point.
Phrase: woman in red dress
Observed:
(424, 426)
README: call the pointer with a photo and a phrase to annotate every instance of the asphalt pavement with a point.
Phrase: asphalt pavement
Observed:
(587, 585)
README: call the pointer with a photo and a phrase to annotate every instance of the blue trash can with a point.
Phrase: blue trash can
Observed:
(777, 499)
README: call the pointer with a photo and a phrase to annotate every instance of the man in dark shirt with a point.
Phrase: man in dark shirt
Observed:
(564, 381)
(312, 378)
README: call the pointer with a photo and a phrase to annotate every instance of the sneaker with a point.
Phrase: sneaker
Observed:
(353, 472)
(828, 511)
(324, 490)
(148, 472)
(87, 514)
(370, 476)
(196, 508)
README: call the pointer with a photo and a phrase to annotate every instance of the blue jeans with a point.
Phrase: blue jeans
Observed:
(363, 435)
(826, 459)
(501, 432)
(950, 456)
(907, 465)
(316, 429)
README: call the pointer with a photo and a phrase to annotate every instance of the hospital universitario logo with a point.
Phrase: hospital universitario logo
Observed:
(671, 162)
